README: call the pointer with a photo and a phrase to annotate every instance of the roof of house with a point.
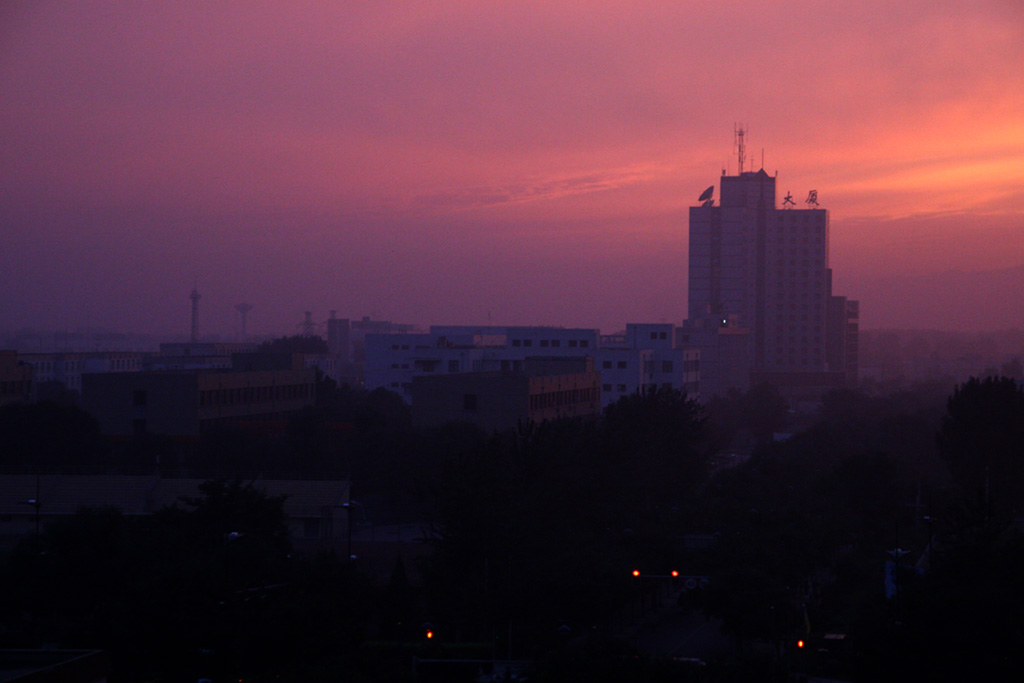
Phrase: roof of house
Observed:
(59, 494)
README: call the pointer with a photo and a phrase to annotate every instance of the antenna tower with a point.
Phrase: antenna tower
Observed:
(741, 146)
(244, 309)
(308, 326)
(195, 296)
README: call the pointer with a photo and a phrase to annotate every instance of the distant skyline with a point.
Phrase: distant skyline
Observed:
(527, 163)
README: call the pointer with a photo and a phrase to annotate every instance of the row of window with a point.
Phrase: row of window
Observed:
(12, 387)
(79, 365)
(804, 262)
(789, 219)
(667, 366)
(802, 349)
(566, 397)
(779, 360)
(792, 306)
(688, 387)
(244, 395)
(552, 343)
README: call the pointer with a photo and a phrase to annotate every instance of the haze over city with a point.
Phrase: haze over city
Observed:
(456, 162)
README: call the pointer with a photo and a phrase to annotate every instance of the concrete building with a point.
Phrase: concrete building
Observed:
(326, 364)
(765, 270)
(184, 404)
(359, 330)
(543, 389)
(393, 360)
(15, 379)
(196, 355)
(67, 368)
(645, 355)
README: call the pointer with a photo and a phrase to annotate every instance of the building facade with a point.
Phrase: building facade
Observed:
(645, 355)
(15, 379)
(184, 404)
(765, 270)
(543, 389)
(67, 368)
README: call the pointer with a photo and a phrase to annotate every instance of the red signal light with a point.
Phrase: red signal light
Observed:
(799, 643)
(636, 572)
(429, 634)
(675, 574)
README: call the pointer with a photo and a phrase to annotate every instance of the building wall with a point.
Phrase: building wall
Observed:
(240, 397)
(339, 338)
(68, 368)
(724, 355)
(184, 403)
(127, 404)
(492, 400)
(644, 355)
(506, 400)
(552, 397)
(15, 379)
(647, 356)
(765, 271)
(393, 360)
(798, 288)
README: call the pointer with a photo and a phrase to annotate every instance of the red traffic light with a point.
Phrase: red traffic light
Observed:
(429, 634)
(675, 574)
(799, 643)
(636, 572)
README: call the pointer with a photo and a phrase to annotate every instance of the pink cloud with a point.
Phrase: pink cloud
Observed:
(346, 131)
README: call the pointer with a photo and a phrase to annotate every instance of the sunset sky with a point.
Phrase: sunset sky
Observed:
(524, 162)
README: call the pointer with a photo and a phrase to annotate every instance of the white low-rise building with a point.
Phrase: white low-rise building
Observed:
(645, 356)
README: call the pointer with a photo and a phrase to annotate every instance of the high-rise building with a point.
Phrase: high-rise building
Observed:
(760, 292)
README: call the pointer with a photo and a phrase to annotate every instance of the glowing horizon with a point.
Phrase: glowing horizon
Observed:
(447, 161)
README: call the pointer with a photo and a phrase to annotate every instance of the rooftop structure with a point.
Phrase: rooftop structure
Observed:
(765, 270)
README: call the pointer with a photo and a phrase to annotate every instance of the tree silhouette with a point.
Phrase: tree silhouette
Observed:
(982, 437)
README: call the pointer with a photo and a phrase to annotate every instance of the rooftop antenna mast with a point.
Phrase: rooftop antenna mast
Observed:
(741, 146)
(244, 309)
